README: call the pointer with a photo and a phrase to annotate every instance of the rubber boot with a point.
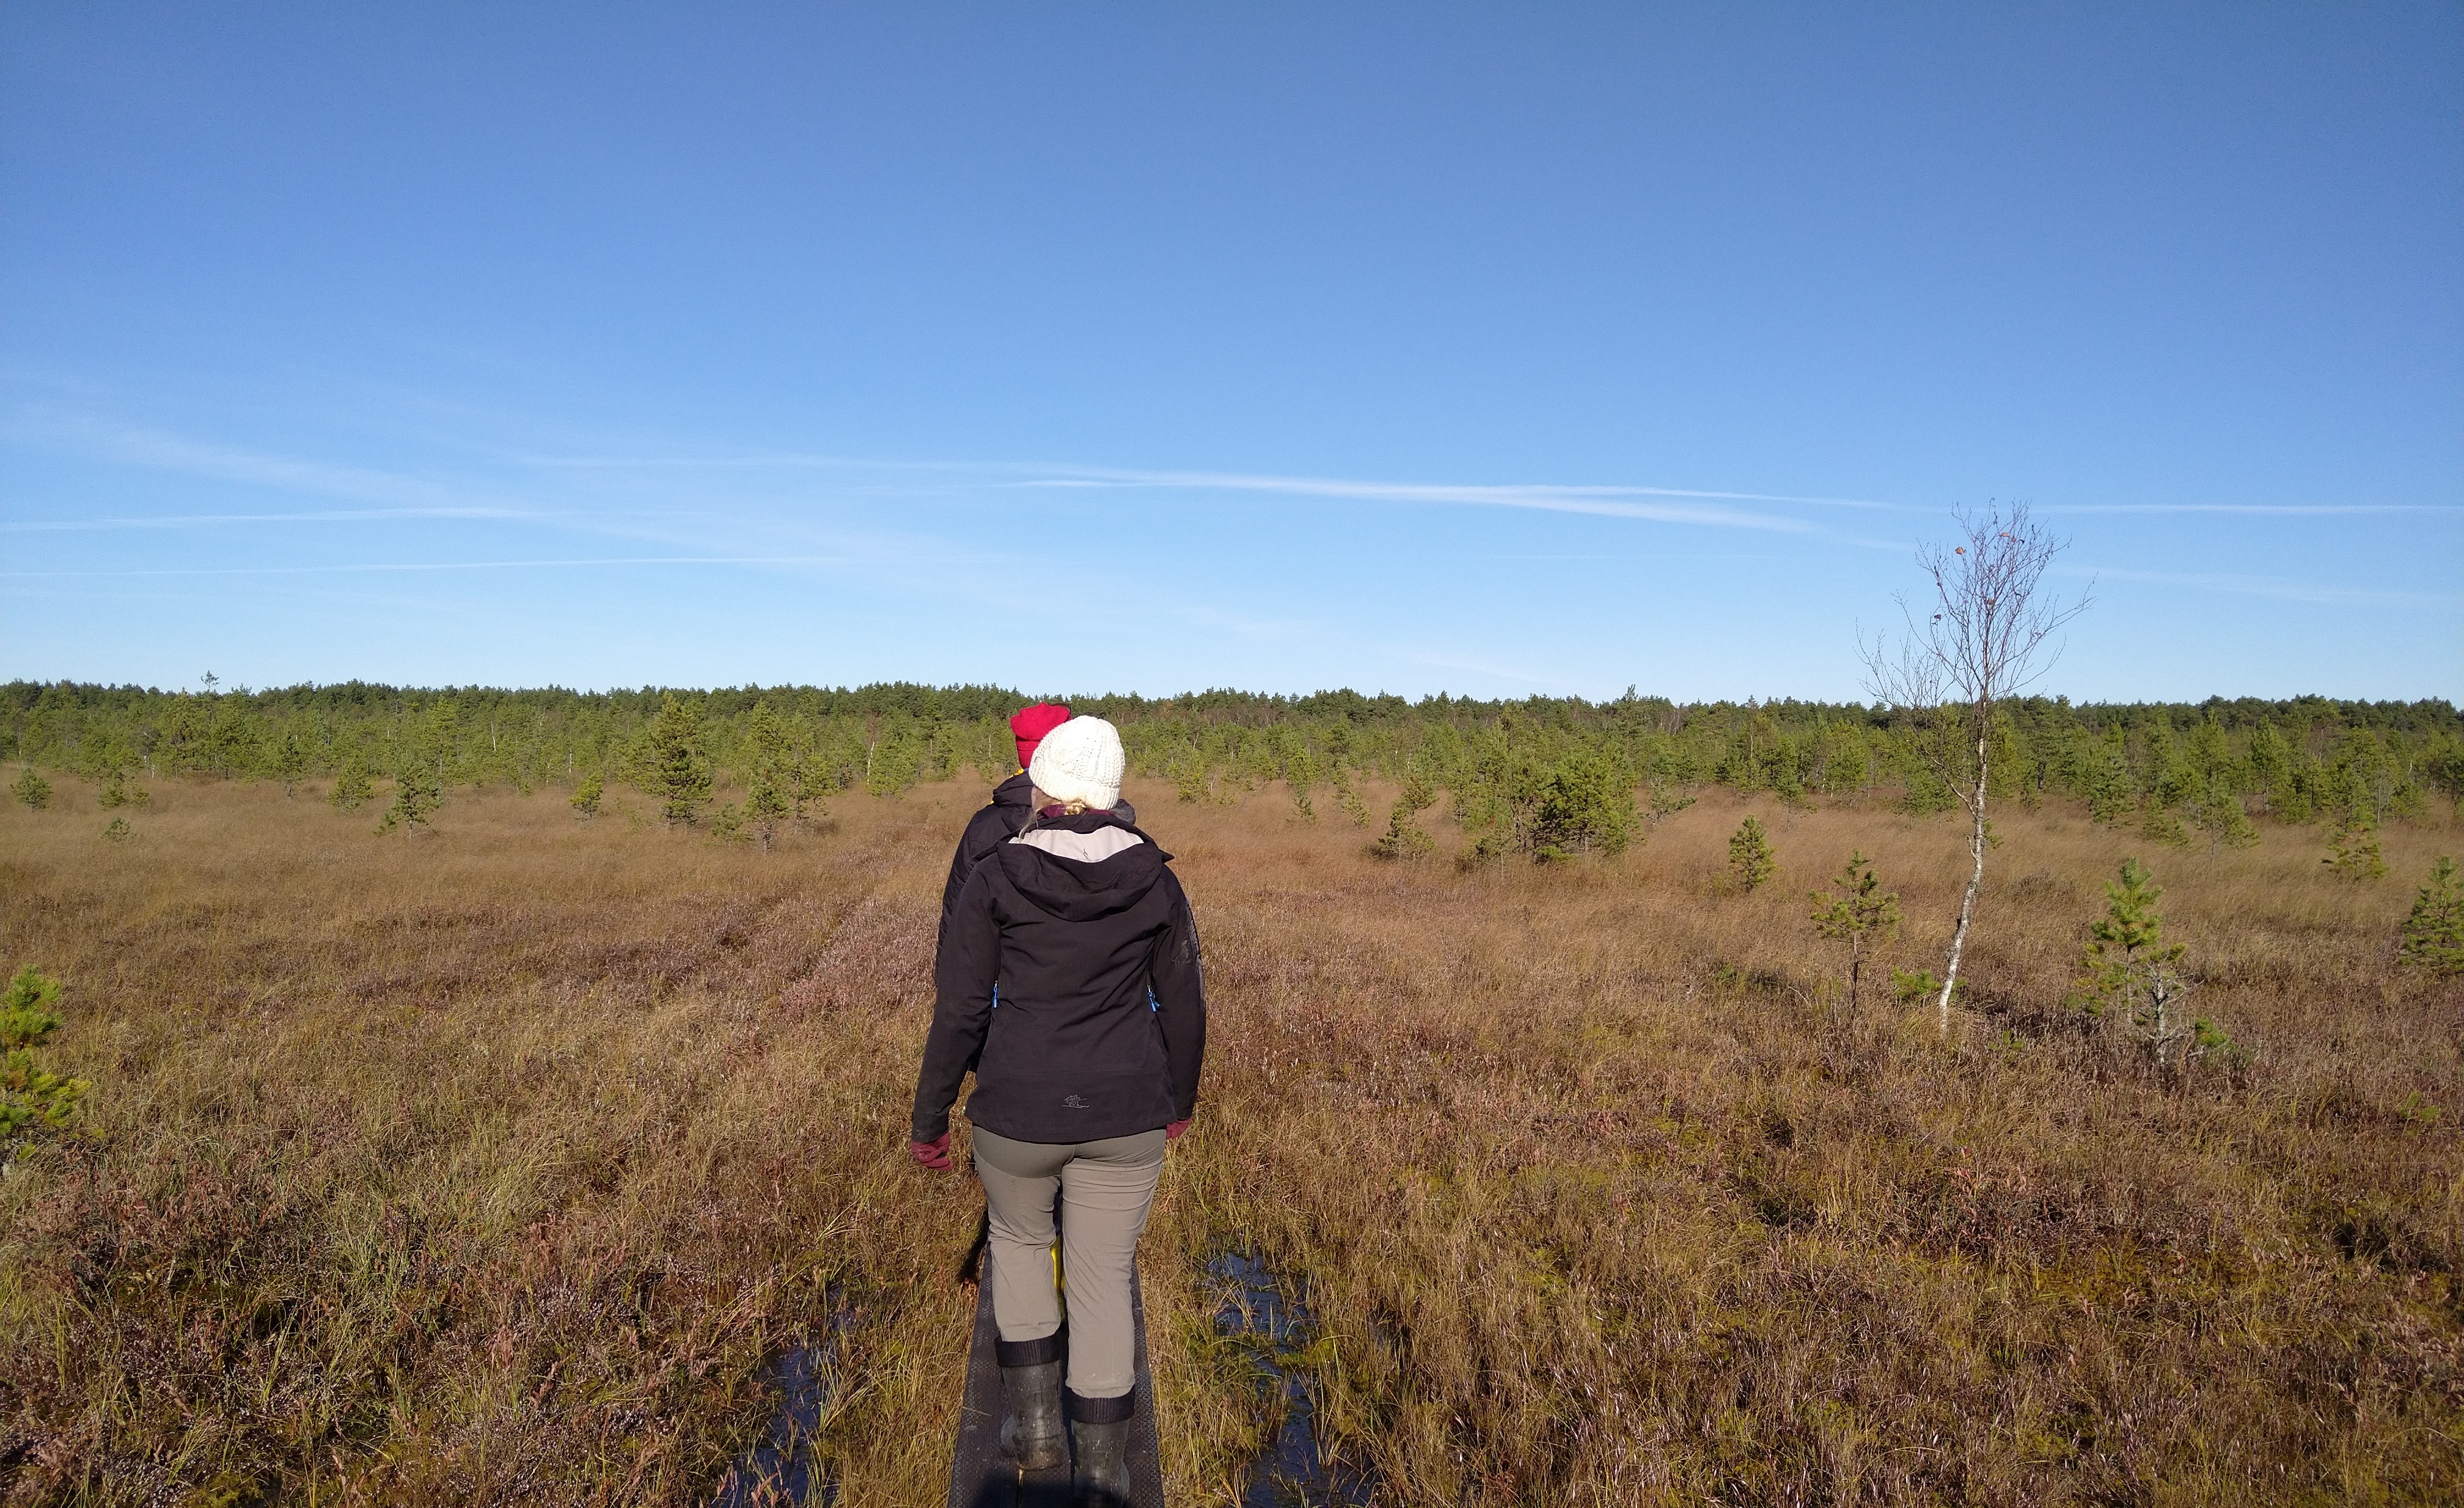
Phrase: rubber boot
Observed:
(1099, 1449)
(1031, 1430)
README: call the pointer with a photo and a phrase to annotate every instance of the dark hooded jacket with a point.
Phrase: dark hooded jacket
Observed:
(1101, 1023)
(1012, 804)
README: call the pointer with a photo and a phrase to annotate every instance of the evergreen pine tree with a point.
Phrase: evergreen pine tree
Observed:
(1299, 773)
(1187, 768)
(2129, 973)
(2353, 851)
(2433, 935)
(2217, 810)
(2104, 776)
(1347, 793)
(418, 791)
(765, 803)
(290, 763)
(353, 785)
(809, 778)
(1403, 837)
(33, 1099)
(2271, 764)
(766, 799)
(30, 788)
(1749, 856)
(1862, 914)
(1665, 803)
(678, 773)
(119, 790)
(586, 795)
(2161, 824)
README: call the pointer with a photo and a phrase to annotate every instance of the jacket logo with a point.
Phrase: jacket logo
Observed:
(1075, 1102)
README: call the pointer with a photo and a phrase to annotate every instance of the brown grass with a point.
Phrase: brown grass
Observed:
(492, 1166)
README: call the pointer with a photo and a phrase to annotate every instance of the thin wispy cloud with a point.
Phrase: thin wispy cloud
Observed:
(1613, 502)
(442, 565)
(2263, 510)
(2284, 588)
(132, 446)
(336, 515)
(1657, 504)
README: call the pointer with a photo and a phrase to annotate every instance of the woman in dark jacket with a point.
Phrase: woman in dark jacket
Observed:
(1068, 977)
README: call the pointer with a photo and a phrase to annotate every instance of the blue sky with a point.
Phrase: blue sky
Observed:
(1491, 350)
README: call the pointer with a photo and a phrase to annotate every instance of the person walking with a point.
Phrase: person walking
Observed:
(1085, 1070)
(1012, 805)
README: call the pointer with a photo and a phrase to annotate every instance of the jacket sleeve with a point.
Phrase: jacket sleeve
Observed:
(965, 968)
(1179, 985)
(962, 864)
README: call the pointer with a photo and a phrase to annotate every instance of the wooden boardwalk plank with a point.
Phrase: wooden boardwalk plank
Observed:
(980, 1477)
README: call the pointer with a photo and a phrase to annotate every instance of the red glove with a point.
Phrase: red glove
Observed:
(934, 1155)
(1172, 1132)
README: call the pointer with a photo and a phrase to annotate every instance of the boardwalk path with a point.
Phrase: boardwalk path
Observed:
(979, 1476)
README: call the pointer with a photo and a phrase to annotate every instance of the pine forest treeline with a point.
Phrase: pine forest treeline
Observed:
(1547, 777)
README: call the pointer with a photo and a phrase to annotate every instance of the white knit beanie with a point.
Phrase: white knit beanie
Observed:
(1081, 760)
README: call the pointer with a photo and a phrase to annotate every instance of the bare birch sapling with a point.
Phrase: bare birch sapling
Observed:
(1979, 647)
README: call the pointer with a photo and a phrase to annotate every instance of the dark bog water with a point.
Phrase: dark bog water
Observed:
(1292, 1473)
(780, 1468)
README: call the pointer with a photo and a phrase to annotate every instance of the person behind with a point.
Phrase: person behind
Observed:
(1085, 1071)
(1012, 804)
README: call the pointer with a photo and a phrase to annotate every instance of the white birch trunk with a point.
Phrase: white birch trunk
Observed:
(1976, 882)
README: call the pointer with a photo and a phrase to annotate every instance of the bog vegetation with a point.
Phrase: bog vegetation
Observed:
(466, 1096)
(1545, 778)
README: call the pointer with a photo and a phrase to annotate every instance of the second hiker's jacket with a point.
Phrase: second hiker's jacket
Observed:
(1101, 1026)
(1013, 804)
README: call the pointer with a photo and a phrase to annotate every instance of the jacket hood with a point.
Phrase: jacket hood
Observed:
(1075, 890)
(1016, 791)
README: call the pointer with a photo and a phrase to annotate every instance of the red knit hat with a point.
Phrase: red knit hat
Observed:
(1029, 724)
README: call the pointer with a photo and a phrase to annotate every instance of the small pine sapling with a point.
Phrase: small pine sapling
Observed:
(810, 779)
(586, 795)
(1403, 839)
(1861, 916)
(2433, 935)
(1666, 803)
(2353, 851)
(353, 785)
(2161, 824)
(2104, 776)
(678, 774)
(1347, 794)
(1300, 773)
(765, 804)
(1912, 986)
(1749, 856)
(418, 791)
(727, 824)
(119, 791)
(30, 788)
(2219, 814)
(2132, 976)
(33, 1099)
(118, 830)
(290, 763)
(1188, 770)
(1583, 803)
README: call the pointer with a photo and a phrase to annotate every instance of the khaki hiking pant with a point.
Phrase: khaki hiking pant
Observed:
(1104, 1190)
